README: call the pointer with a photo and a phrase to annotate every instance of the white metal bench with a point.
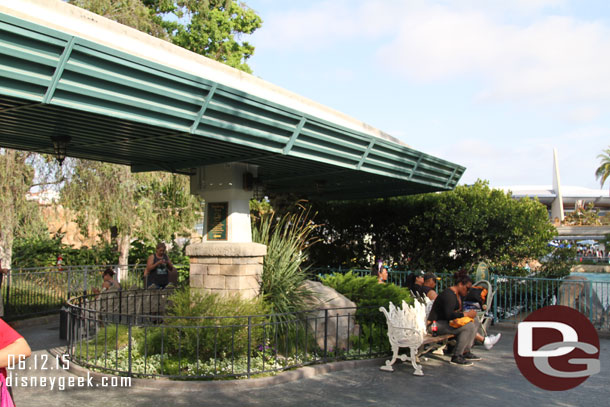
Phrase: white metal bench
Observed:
(407, 329)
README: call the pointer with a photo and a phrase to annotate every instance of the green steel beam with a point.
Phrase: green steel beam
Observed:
(415, 166)
(205, 105)
(366, 153)
(450, 178)
(59, 70)
(294, 136)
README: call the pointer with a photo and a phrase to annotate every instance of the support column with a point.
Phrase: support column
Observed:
(226, 261)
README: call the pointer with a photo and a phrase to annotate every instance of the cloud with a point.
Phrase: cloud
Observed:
(516, 50)
(549, 60)
(506, 7)
(322, 25)
(501, 165)
(583, 114)
(530, 159)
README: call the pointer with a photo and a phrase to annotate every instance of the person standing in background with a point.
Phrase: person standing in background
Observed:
(159, 269)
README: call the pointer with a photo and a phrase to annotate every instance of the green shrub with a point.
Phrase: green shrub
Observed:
(42, 251)
(559, 263)
(192, 337)
(368, 294)
(366, 291)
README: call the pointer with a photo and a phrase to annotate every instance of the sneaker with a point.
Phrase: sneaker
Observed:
(490, 341)
(459, 360)
(470, 356)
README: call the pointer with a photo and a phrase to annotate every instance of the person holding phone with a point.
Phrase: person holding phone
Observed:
(159, 269)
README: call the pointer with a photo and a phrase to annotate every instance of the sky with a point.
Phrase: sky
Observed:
(490, 85)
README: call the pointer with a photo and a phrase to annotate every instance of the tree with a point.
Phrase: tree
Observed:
(18, 216)
(132, 13)
(603, 171)
(212, 27)
(151, 206)
(436, 232)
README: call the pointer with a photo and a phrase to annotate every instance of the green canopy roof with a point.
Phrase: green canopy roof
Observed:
(121, 108)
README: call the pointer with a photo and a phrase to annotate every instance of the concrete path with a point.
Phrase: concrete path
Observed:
(494, 381)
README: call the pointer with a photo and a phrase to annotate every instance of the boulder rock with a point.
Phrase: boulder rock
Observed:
(578, 292)
(334, 316)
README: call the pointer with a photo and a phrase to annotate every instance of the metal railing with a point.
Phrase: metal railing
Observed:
(516, 297)
(39, 291)
(601, 260)
(142, 343)
(29, 292)
(398, 277)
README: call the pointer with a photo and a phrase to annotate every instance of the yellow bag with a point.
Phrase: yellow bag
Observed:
(458, 322)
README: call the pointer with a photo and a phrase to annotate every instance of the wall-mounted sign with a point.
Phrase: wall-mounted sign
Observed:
(217, 220)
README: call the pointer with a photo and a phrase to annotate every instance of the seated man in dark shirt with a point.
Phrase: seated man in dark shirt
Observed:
(447, 307)
(429, 286)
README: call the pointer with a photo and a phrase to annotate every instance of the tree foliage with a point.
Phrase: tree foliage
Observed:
(437, 232)
(602, 173)
(18, 216)
(559, 263)
(213, 28)
(42, 251)
(151, 206)
(132, 13)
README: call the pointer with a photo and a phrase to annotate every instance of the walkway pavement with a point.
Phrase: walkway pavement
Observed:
(494, 381)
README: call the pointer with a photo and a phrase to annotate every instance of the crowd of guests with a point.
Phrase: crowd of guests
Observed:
(585, 250)
(454, 311)
(591, 253)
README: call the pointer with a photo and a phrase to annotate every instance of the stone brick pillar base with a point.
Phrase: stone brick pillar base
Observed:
(226, 268)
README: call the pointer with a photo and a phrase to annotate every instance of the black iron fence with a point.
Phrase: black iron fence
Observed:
(145, 343)
(29, 292)
(38, 291)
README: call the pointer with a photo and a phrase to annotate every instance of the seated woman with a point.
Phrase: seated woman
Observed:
(109, 282)
(383, 275)
(415, 283)
(429, 286)
(380, 271)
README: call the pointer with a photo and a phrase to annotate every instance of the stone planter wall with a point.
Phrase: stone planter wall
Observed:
(226, 268)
